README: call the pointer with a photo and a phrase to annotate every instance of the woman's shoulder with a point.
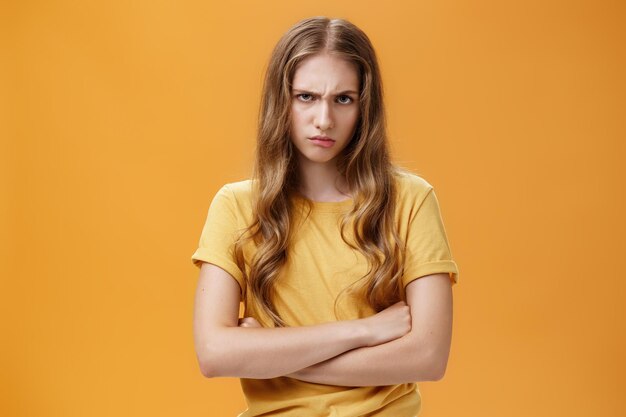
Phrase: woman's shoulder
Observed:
(410, 183)
(240, 191)
(241, 187)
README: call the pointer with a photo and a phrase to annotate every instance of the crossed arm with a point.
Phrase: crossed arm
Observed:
(349, 358)
(419, 355)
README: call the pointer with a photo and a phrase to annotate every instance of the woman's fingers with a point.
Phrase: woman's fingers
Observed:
(391, 323)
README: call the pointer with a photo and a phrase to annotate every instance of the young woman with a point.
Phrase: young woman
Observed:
(324, 246)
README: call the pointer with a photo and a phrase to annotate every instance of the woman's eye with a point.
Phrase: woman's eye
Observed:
(349, 99)
(308, 97)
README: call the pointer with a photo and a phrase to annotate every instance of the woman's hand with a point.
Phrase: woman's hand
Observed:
(389, 324)
(249, 322)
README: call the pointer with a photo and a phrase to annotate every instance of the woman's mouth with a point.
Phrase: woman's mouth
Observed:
(325, 143)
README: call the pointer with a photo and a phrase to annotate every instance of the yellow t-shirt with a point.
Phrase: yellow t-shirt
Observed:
(319, 265)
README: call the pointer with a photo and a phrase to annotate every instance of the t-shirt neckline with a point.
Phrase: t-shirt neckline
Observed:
(325, 206)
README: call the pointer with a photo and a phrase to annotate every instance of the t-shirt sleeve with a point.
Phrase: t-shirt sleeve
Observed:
(218, 235)
(427, 248)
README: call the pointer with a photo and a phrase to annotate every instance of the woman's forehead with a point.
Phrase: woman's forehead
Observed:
(324, 73)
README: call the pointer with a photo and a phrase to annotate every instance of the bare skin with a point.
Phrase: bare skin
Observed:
(388, 324)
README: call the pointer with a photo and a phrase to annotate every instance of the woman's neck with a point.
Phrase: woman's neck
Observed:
(322, 182)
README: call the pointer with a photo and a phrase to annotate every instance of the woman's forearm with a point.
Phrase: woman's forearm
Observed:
(262, 353)
(396, 362)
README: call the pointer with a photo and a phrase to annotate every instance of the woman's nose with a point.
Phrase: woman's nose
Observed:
(323, 119)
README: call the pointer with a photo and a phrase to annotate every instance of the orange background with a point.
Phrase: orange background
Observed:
(120, 120)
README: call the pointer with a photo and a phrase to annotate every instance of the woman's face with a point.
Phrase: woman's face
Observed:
(324, 101)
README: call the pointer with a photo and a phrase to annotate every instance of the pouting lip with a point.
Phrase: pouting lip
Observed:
(321, 138)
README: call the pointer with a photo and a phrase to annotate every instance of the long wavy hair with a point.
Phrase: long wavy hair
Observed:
(364, 163)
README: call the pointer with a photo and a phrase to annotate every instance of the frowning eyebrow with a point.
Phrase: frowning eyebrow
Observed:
(317, 94)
